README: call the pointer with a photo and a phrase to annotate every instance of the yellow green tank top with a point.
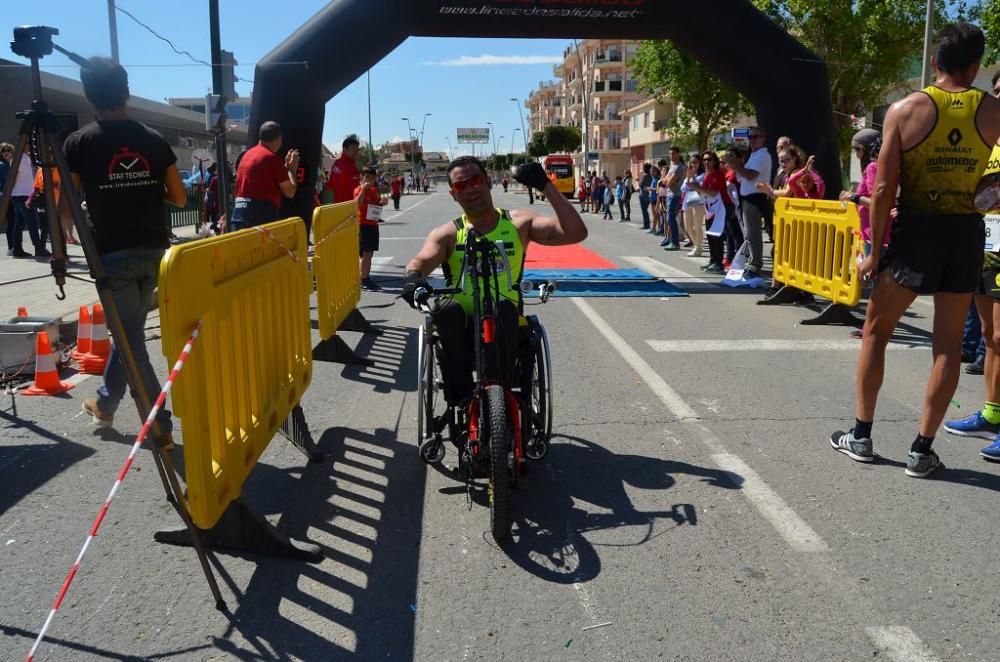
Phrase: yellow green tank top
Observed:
(505, 231)
(938, 176)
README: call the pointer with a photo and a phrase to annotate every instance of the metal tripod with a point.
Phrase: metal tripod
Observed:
(38, 129)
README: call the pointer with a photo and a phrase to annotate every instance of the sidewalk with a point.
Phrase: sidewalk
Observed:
(38, 293)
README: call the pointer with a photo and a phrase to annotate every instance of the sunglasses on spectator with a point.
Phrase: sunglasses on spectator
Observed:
(784, 161)
(460, 186)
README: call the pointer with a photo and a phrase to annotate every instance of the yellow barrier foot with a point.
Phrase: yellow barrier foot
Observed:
(296, 430)
(335, 350)
(240, 529)
(835, 313)
(355, 321)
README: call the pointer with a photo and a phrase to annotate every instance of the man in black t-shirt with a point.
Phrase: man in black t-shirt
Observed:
(126, 172)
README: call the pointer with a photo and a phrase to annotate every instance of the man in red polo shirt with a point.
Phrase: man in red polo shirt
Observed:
(344, 175)
(262, 178)
(369, 204)
(396, 189)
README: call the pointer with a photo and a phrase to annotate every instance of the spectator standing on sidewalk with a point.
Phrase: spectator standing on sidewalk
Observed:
(628, 188)
(396, 190)
(344, 175)
(126, 172)
(645, 182)
(756, 206)
(263, 178)
(6, 155)
(672, 203)
(369, 205)
(24, 216)
(693, 206)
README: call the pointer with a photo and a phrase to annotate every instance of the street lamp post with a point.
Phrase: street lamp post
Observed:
(420, 142)
(512, 136)
(524, 134)
(409, 135)
(451, 150)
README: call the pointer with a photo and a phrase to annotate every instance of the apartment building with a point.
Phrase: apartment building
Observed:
(646, 131)
(593, 85)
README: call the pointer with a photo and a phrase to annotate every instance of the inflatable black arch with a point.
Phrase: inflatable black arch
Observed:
(786, 82)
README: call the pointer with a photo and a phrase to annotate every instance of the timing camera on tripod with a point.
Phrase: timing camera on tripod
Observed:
(38, 131)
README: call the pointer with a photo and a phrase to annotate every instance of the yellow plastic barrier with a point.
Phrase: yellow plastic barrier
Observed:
(335, 265)
(815, 248)
(253, 360)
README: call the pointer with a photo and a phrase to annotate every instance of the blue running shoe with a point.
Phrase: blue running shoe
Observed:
(973, 426)
(992, 452)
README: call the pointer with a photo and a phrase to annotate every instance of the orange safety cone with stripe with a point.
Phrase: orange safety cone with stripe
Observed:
(22, 311)
(82, 334)
(93, 362)
(46, 375)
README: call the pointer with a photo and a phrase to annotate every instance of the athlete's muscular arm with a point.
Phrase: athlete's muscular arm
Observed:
(436, 249)
(566, 227)
(886, 182)
(988, 120)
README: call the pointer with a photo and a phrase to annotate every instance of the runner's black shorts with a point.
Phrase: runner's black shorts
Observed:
(989, 282)
(369, 239)
(936, 254)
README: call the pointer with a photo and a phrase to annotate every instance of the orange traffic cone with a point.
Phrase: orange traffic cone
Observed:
(93, 362)
(82, 334)
(46, 375)
(22, 311)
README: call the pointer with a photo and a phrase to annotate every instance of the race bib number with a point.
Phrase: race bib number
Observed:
(992, 244)
(374, 213)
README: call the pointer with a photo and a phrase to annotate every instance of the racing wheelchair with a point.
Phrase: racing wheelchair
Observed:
(503, 425)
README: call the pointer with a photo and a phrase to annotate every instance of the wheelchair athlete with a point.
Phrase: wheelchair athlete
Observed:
(470, 187)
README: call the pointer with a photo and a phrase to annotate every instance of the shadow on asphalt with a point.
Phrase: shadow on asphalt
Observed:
(363, 506)
(390, 350)
(549, 532)
(945, 474)
(27, 467)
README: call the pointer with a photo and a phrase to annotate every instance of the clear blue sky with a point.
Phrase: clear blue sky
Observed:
(410, 81)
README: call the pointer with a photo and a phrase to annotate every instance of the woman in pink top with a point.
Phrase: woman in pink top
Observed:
(866, 145)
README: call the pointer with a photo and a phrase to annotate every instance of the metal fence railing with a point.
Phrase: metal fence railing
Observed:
(189, 215)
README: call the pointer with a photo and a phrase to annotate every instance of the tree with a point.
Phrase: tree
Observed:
(871, 46)
(553, 139)
(705, 104)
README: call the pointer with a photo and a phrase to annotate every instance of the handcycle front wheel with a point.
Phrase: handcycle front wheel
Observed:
(539, 396)
(500, 445)
(429, 442)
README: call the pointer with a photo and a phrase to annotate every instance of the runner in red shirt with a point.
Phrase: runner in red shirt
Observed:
(262, 178)
(344, 175)
(369, 205)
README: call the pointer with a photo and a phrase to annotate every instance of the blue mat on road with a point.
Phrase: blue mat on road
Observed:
(585, 274)
(609, 288)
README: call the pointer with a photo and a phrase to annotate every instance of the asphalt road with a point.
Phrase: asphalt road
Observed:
(690, 507)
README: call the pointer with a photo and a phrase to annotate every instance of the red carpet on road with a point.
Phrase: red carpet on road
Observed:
(565, 257)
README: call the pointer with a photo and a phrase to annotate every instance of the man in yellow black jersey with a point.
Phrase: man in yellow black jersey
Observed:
(470, 187)
(986, 422)
(936, 144)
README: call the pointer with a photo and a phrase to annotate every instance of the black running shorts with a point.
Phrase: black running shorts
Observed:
(369, 239)
(938, 254)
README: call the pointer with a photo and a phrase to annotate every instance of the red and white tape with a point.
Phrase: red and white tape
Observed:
(270, 236)
(162, 398)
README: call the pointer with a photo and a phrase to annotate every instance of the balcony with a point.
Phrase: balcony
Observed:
(606, 117)
(607, 60)
(607, 87)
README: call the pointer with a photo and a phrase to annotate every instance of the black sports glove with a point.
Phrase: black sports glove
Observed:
(412, 281)
(532, 174)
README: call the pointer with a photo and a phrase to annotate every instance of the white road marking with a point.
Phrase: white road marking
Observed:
(661, 270)
(669, 396)
(403, 211)
(77, 378)
(901, 644)
(765, 345)
(790, 526)
(382, 260)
